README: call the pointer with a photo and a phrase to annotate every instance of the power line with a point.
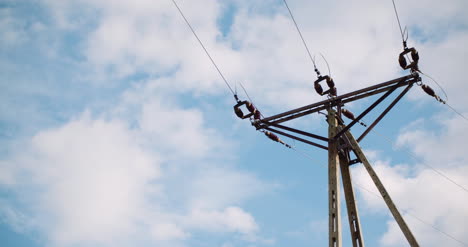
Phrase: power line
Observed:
(299, 31)
(457, 112)
(203, 46)
(399, 24)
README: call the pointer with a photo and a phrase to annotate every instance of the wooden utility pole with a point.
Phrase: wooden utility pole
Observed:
(334, 212)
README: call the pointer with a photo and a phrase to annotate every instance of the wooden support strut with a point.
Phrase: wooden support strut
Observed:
(334, 212)
(388, 200)
(353, 215)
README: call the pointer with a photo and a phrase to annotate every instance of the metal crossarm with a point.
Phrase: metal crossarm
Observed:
(343, 99)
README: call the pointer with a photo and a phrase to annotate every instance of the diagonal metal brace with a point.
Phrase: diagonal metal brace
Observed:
(385, 112)
(367, 110)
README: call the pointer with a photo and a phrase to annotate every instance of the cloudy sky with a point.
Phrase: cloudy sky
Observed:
(116, 130)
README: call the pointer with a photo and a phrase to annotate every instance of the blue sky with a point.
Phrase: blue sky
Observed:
(116, 130)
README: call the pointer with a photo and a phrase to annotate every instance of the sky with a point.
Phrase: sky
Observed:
(116, 129)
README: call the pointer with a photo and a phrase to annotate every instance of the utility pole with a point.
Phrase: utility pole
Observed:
(334, 211)
(340, 143)
(344, 150)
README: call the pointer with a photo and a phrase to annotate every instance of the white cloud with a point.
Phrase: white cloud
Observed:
(93, 180)
(183, 129)
(101, 182)
(230, 219)
(168, 231)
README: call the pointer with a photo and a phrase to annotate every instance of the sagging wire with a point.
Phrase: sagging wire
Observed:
(206, 51)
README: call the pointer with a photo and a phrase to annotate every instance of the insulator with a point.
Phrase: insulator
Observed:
(415, 55)
(330, 82)
(239, 112)
(250, 107)
(318, 88)
(272, 136)
(348, 114)
(402, 61)
(317, 71)
(333, 91)
(428, 90)
(257, 114)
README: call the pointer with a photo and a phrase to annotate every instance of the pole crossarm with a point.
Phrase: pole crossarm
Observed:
(342, 99)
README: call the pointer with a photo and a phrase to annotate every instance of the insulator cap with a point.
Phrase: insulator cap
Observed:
(333, 91)
(348, 114)
(257, 114)
(415, 55)
(330, 82)
(318, 88)
(402, 61)
(250, 107)
(239, 112)
(428, 90)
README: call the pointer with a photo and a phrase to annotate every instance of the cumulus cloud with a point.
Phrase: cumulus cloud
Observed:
(97, 182)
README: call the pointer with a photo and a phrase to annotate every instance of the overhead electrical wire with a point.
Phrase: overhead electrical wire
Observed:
(399, 24)
(204, 48)
(328, 66)
(299, 31)
(457, 112)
